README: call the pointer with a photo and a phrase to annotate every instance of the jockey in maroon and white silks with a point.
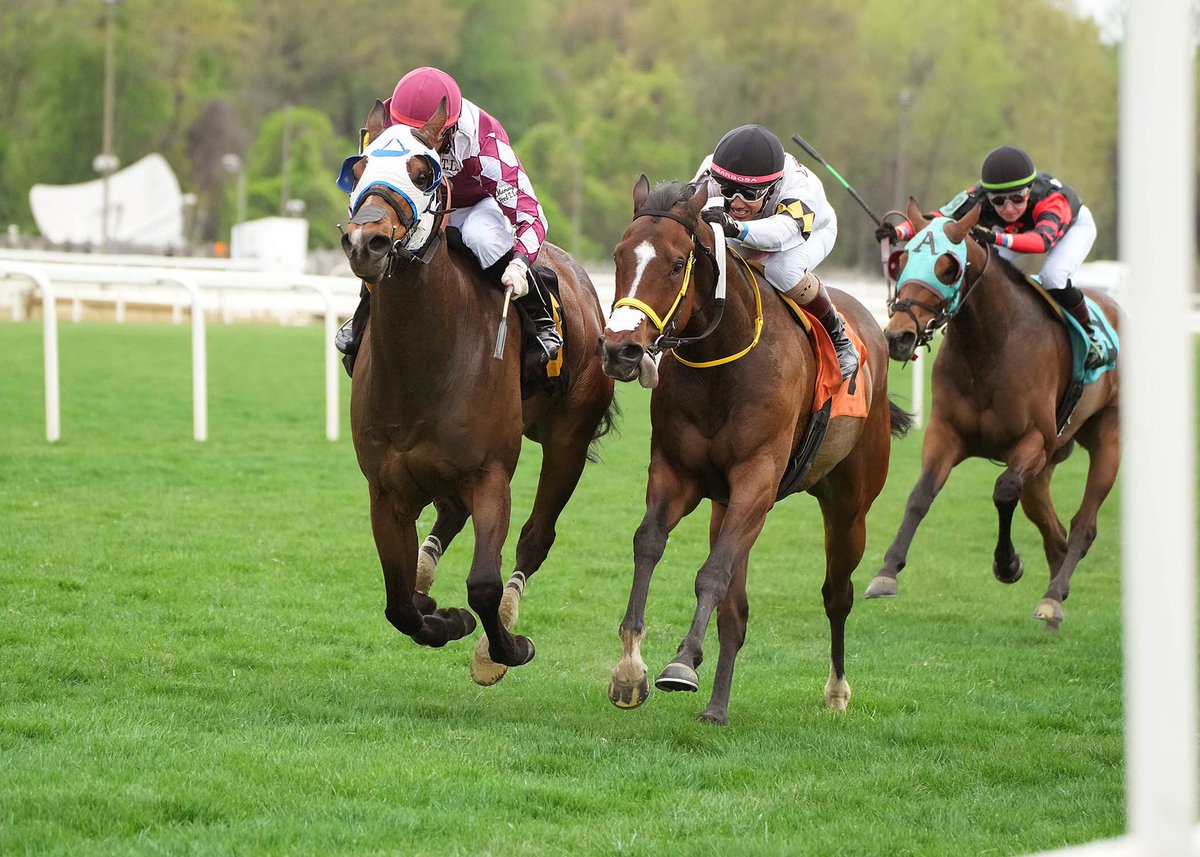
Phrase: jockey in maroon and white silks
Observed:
(496, 208)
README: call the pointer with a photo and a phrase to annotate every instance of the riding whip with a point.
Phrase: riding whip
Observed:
(804, 145)
(502, 330)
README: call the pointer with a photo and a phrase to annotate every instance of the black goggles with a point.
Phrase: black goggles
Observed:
(1016, 197)
(753, 193)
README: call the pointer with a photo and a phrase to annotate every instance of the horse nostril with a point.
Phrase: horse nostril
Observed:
(630, 352)
(379, 244)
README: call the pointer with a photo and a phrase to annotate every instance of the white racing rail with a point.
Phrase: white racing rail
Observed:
(49, 278)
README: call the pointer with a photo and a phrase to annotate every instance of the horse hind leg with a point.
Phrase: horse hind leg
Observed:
(1038, 504)
(1105, 459)
(451, 517)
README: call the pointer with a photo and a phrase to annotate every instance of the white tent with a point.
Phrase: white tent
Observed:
(144, 201)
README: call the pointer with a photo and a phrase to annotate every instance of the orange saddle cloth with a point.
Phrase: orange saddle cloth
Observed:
(829, 375)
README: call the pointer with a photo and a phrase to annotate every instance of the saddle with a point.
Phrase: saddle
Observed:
(536, 377)
(1080, 375)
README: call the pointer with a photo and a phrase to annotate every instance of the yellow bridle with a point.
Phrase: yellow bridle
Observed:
(659, 323)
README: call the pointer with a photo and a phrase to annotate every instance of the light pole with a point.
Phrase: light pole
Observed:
(901, 191)
(234, 166)
(106, 162)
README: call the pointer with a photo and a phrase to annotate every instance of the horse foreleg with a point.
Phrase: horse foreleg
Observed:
(490, 505)
(668, 499)
(1027, 458)
(1104, 461)
(395, 532)
(451, 516)
(941, 451)
(753, 493)
(732, 616)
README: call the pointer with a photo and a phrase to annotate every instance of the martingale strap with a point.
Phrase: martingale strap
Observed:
(758, 325)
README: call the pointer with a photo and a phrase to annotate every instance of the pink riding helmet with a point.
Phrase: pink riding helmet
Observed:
(416, 97)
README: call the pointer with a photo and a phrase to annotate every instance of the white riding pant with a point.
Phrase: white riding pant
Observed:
(1068, 254)
(786, 268)
(485, 230)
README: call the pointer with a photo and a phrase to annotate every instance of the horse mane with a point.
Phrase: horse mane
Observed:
(666, 195)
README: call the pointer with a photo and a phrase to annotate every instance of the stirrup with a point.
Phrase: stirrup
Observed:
(1095, 355)
(343, 340)
(549, 340)
(847, 356)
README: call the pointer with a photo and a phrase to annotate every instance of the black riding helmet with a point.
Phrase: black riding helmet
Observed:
(1007, 167)
(749, 155)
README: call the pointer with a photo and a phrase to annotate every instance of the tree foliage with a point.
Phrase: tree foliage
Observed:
(592, 94)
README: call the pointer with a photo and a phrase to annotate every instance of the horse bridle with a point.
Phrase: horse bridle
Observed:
(666, 326)
(399, 252)
(939, 314)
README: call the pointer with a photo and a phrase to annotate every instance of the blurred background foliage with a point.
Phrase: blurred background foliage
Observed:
(902, 98)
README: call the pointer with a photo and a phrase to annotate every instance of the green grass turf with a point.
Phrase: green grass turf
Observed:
(195, 658)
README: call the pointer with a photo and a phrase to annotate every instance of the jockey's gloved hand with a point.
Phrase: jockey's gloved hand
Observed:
(985, 236)
(516, 277)
(720, 217)
(897, 233)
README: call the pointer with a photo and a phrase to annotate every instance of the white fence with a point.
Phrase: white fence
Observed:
(201, 290)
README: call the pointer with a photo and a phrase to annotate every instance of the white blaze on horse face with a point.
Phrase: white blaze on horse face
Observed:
(626, 318)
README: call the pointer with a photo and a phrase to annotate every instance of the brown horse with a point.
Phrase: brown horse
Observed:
(997, 383)
(437, 418)
(728, 431)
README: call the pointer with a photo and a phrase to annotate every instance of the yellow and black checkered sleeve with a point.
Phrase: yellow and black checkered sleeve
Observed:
(798, 211)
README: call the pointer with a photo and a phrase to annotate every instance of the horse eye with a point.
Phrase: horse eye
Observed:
(678, 267)
(947, 269)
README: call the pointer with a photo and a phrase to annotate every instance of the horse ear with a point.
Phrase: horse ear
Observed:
(915, 216)
(959, 229)
(697, 200)
(431, 132)
(376, 121)
(641, 190)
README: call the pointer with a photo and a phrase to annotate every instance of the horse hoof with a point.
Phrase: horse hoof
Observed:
(717, 718)
(677, 676)
(882, 587)
(484, 671)
(1050, 612)
(628, 695)
(1014, 572)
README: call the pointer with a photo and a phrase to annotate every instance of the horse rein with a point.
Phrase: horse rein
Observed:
(939, 316)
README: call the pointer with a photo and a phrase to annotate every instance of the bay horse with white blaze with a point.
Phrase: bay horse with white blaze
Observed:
(998, 380)
(726, 420)
(436, 418)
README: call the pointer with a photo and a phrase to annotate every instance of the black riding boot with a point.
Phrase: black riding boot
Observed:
(349, 335)
(1071, 300)
(847, 354)
(536, 304)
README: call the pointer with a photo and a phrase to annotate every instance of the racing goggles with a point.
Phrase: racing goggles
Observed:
(1016, 197)
(748, 194)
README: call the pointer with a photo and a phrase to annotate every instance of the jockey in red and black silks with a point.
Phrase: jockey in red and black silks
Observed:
(1025, 211)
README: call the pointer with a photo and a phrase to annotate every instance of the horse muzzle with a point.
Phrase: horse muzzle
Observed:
(902, 342)
(624, 360)
(367, 242)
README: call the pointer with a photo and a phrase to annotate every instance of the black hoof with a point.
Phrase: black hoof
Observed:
(717, 718)
(1010, 573)
(678, 677)
(424, 604)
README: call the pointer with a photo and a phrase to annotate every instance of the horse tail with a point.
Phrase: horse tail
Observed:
(902, 420)
(607, 424)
